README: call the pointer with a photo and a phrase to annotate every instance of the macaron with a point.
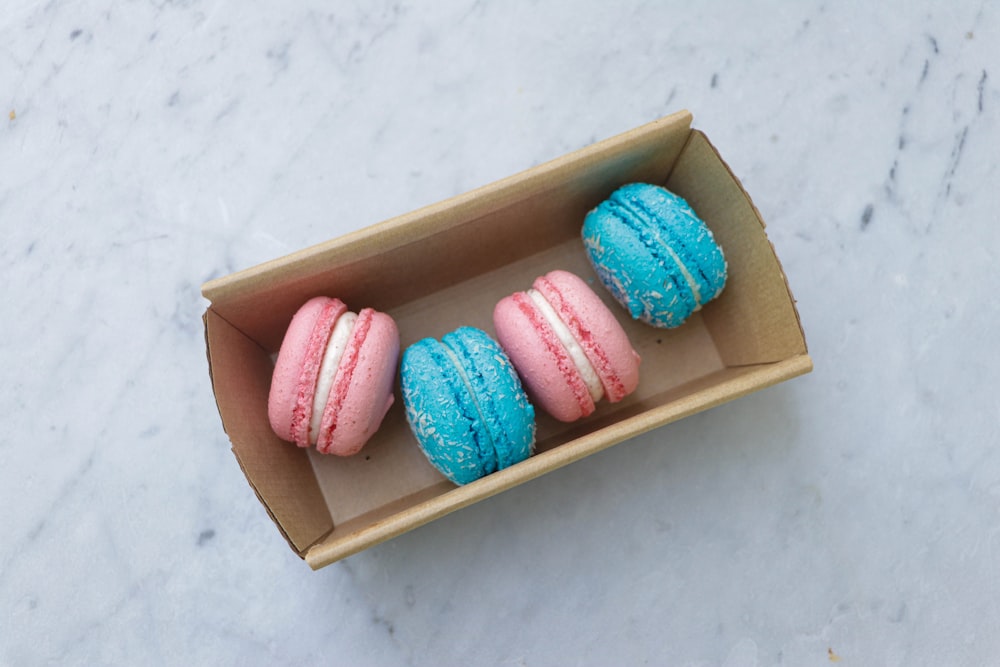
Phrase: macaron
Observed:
(566, 345)
(333, 379)
(465, 405)
(654, 254)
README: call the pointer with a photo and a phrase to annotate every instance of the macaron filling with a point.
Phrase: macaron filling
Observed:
(335, 349)
(315, 345)
(342, 379)
(576, 352)
(609, 373)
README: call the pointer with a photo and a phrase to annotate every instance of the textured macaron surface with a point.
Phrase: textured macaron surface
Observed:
(544, 364)
(566, 372)
(293, 382)
(654, 254)
(333, 398)
(362, 390)
(465, 405)
(601, 336)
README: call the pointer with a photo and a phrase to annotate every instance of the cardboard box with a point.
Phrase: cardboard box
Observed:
(447, 265)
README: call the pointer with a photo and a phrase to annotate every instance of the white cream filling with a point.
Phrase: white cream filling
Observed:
(328, 369)
(571, 344)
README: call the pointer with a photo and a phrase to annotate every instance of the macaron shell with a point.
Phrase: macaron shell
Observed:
(543, 364)
(469, 422)
(636, 277)
(509, 416)
(648, 246)
(688, 236)
(602, 337)
(293, 381)
(441, 414)
(362, 391)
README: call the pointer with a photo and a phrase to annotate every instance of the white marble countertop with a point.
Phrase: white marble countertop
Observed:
(850, 515)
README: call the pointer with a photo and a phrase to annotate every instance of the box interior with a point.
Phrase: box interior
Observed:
(446, 266)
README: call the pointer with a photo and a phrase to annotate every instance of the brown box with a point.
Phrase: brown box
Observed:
(447, 265)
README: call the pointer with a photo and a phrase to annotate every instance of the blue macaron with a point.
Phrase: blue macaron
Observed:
(465, 405)
(654, 254)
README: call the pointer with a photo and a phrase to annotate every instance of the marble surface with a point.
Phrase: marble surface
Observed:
(851, 516)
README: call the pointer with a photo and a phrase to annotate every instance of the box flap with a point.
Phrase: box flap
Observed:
(279, 473)
(756, 296)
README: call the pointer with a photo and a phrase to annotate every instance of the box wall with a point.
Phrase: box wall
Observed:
(279, 474)
(754, 319)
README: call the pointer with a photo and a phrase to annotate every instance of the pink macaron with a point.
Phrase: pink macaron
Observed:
(566, 345)
(333, 379)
